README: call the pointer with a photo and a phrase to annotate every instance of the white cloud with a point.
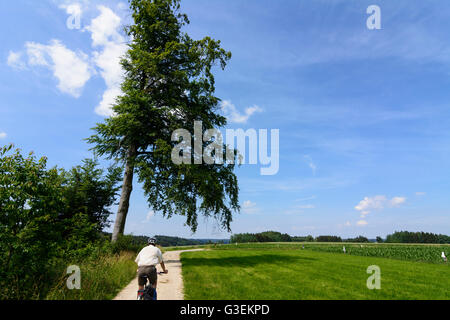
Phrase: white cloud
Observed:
(234, 116)
(362, 223)
(150, 215)
(74, 69)
(36, 54)
(105, 35)
(104, 28)
(15, 60)
(249, 207)
(108, 99)
(70, 68)
(397, 201)
(368, 204)
(3, 135)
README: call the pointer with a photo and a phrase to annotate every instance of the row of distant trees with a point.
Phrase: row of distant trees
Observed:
(268, 236)
(417, 237)
(397, 237)
(166, 241)
(273, 236)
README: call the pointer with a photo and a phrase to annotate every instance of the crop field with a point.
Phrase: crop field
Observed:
(286, 271)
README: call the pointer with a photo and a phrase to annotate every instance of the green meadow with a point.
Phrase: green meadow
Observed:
(285, 272)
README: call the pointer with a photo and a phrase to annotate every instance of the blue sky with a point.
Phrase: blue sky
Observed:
(363, 114)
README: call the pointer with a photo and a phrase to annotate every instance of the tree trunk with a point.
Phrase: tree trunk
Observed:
(127, 188)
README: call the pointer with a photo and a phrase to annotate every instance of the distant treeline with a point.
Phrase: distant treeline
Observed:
(268, 236)
(166, 241)
(417, 237)
(397, 237)
(273, 236)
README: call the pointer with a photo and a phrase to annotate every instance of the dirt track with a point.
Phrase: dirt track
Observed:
(170, 286)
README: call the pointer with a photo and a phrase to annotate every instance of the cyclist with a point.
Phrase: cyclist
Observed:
(147, 260)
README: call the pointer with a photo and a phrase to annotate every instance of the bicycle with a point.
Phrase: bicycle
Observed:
(149, 293)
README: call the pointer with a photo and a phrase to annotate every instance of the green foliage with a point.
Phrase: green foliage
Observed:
(328, 239)
(303, 239)
(169, 84)
(360, 239)
(136, 243)
(128, 243)
(89, 192)
(417, 237)
(166, 241)
(48, 216)
(268, 236)
(30, 203)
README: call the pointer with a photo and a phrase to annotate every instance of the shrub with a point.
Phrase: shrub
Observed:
(30, 204)
(127, 243)
(47, 217)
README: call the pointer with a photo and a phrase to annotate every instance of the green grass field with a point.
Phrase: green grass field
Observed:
(285, 273)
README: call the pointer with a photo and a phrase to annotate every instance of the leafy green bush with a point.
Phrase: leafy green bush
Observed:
(127, 243)
(30, 203)
(48, 217)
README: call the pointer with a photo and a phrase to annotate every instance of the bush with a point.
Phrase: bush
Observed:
(127, 243)
(30, 204)
(49, 216)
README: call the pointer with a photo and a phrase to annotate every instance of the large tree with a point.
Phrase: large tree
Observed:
(168, 85)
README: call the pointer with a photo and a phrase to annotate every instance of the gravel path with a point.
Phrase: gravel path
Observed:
(170, 286)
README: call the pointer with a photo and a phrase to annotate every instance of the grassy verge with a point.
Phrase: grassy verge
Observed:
(302, 274)
(101, 279)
